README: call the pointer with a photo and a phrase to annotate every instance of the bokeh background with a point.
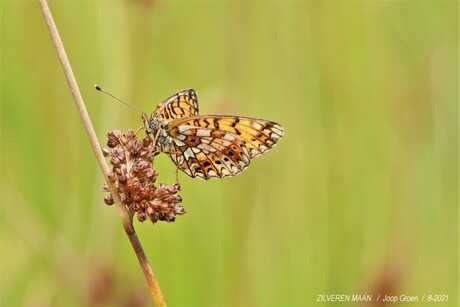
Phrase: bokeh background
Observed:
(359, 197)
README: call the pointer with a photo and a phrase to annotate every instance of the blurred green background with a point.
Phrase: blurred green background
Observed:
(359, 197)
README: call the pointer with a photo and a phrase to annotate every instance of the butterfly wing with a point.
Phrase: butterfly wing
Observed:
(204, 152)
(258, 135)
(180, 105)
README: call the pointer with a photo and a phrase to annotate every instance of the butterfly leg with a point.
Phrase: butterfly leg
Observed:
(138, 129)
(177, 176)
(156, 137)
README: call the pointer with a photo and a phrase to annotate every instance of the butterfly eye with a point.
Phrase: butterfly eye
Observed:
(149, 124)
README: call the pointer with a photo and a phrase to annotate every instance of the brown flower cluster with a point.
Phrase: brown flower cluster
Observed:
(135, 178)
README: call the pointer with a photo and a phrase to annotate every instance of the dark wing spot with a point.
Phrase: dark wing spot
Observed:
(237, 131)
(216, 123)
(206, 164)
(218, 134)
(217, 162)
(231, 153)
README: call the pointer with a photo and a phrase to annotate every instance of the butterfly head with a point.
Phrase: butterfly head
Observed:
(152, 124)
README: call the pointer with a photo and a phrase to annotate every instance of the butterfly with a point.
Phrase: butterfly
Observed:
(208, 146)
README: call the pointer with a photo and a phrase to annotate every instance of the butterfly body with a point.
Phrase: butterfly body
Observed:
(208, 146)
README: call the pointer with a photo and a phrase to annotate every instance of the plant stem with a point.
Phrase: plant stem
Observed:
(123, 212)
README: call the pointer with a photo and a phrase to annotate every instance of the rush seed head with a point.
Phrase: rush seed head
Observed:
(134, 176)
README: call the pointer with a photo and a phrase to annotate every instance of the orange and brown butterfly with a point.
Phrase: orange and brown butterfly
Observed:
(208, 146)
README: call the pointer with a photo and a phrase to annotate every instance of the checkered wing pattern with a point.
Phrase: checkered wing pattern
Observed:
(210, 146)
(183, 104)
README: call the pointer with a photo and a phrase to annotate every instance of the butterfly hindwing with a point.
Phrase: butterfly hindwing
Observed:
(206, 153)
(259, 135)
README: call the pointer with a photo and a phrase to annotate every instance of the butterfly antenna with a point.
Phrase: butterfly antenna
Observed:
(118, 99)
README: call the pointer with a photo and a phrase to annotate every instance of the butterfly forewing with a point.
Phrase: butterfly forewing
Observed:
(183, 104)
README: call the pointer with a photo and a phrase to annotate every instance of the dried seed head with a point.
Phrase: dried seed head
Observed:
(105, 152)
(111, 176)
(111, 143)
(135, 179)
(146, 141)
(108, 200)
(122, 179)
